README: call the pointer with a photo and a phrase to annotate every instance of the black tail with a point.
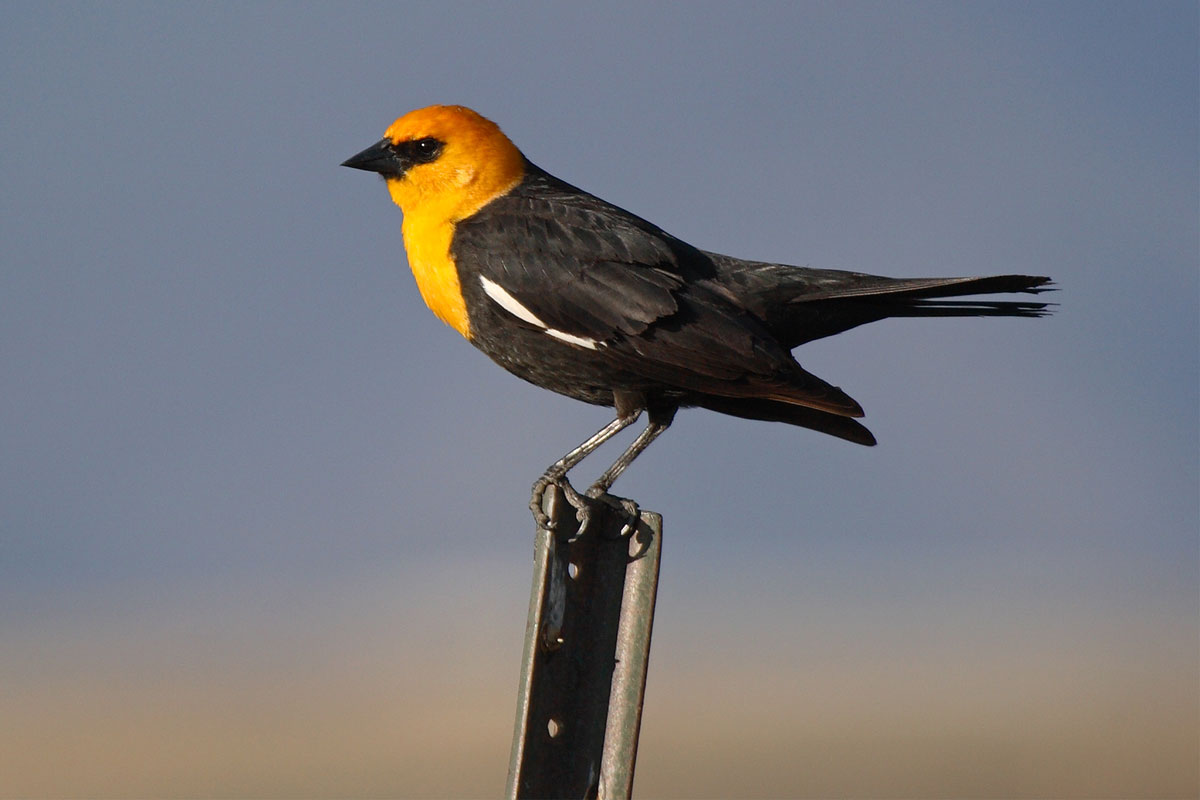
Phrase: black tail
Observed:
(800, 304)
(969, 308)
(774, 411)
(834, 284)
(834, 309)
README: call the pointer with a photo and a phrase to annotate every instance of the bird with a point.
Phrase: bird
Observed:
(579, 296)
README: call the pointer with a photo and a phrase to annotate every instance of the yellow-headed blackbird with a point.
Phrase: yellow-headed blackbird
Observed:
(576, 295)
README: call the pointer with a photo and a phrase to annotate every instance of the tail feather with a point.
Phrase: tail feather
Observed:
(856, 284)
(833, 308)
(802, 416)
(799, 304)
(968, 308)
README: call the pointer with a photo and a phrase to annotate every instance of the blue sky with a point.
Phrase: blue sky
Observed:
(262, 516)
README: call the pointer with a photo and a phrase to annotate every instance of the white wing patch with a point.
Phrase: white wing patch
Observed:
(582, 341)
(513, 306)
(509, 303)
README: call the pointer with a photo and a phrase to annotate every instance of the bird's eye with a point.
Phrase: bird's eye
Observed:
(426, 150)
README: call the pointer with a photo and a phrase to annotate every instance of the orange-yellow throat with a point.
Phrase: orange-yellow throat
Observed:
(428, 245)
(477, 164)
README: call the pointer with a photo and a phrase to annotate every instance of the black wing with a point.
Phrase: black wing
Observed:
(588, 269)
(581, 265)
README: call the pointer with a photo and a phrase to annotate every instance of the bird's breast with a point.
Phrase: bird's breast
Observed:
(428, 248)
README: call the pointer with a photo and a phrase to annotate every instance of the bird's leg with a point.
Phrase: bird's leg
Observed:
(557, 472)
(659, 422)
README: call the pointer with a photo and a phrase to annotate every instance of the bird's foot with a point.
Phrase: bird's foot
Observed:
(587, 506)
(537, 502)
(572, 497)
(627, 509)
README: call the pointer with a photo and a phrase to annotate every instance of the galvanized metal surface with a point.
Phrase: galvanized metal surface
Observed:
(587, 645)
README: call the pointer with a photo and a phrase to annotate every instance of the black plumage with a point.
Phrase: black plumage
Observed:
(579, 296)
(675, 326)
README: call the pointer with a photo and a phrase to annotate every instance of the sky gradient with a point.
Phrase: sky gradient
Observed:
(262, 517)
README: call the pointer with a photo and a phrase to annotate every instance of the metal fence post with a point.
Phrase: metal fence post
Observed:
(587, 645)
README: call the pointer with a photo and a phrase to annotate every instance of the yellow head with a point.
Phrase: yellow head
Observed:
(443, 162)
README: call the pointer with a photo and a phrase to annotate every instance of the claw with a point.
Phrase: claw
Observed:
(536, 502)
(583, 509)
(584, 505)
(581, 504)
(627, 508)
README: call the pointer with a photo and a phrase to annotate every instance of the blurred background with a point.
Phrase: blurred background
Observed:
(262, 517)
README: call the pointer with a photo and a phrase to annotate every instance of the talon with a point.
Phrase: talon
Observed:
(584, 515)
(536, 502)
(571, 496)
(633, 515)
(623, 506)
(583, 509)
(582, 506)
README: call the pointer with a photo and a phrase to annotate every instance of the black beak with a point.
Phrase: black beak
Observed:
(380, 157)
